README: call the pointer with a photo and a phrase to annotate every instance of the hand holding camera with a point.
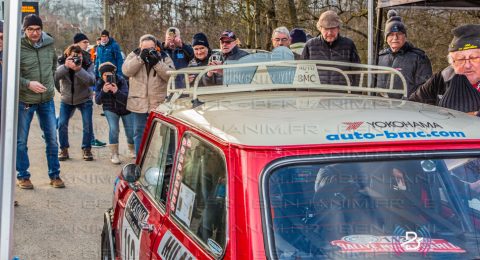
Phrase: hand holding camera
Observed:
(215, 59)
(110, 84)
(74, 63)
(150, 56)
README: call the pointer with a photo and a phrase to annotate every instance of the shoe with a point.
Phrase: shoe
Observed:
(25, 184)
(57, 183)
(87, 154)
(131, 151)
(98, 143)
(63, 154)
(114, 153)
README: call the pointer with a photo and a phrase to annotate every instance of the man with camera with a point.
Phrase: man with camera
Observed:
(180, 52)
(228, 51)
(73, 81)
(147, 69)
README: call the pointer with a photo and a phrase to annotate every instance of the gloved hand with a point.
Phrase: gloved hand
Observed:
(144, 55)
(153, 58)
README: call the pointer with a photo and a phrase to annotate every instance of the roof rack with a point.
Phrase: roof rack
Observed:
(289, 74)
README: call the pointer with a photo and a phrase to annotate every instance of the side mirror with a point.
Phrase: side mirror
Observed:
(131, 173)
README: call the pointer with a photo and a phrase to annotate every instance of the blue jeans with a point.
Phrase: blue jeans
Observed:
(66, 112)
(46, 118)
(113, 120)
(139, 123)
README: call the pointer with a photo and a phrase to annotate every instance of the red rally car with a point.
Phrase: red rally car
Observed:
(262, 168)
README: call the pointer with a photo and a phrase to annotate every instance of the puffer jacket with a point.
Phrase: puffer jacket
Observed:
(109, 52)
(342, 49)
(450, 90)
(147, 89)
(74, 87)
(37, 64)
(412, 62)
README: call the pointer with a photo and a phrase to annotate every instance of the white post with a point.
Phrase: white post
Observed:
(8, 127)
(371, 13)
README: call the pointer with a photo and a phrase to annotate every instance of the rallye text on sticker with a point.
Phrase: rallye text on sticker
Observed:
(135, 213)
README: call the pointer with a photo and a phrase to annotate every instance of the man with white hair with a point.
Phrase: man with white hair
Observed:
(281, 37)
(331, 46)
(458, 86)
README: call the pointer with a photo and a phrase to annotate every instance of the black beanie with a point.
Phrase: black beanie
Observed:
(105, 32)
(394, 23)
(79, 37)
(32, 19)
(465, 37)
(200, 39)
(298, 35)
(107, 67)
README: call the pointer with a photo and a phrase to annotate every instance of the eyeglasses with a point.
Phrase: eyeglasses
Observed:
(461, 62)
(30, 30)
(280, 39)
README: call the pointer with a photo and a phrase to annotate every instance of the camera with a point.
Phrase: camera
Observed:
(216, 57)
(77, 60)
(111, 79)
(152, 52)
(172, 32)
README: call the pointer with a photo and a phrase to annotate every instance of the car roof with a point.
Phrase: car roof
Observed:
(283, 118)
(272, 104)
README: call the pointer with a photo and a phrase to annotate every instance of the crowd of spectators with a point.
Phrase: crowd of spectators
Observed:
(129, 87)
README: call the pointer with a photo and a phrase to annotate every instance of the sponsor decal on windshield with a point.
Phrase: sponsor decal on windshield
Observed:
(406, 242)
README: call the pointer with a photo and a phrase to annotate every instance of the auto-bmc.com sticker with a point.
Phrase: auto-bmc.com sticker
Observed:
(401, 242)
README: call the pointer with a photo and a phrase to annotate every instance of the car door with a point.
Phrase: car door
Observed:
(196, 227)
(145, 207)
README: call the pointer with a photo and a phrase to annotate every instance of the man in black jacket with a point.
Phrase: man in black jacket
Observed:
(457, 86)
(331, 46)
(401, 55)
(229, 51)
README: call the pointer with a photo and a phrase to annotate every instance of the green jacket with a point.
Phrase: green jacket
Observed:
(37, 64)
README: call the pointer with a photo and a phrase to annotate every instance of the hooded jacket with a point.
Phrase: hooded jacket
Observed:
(37, 64)
(412, 62)
(148, 88)
(342, 49)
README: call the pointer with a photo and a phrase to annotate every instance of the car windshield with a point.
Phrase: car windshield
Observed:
(404, 208)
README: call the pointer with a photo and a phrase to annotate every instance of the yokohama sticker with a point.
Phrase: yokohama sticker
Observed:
(170, 248)
(383, 244)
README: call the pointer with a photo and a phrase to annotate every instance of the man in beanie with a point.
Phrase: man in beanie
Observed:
(180, 52)
(298, 38)
(456, 87)
(108, 51)
(331, 46)
(37, 89)
(201, 52)
(401, 55)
